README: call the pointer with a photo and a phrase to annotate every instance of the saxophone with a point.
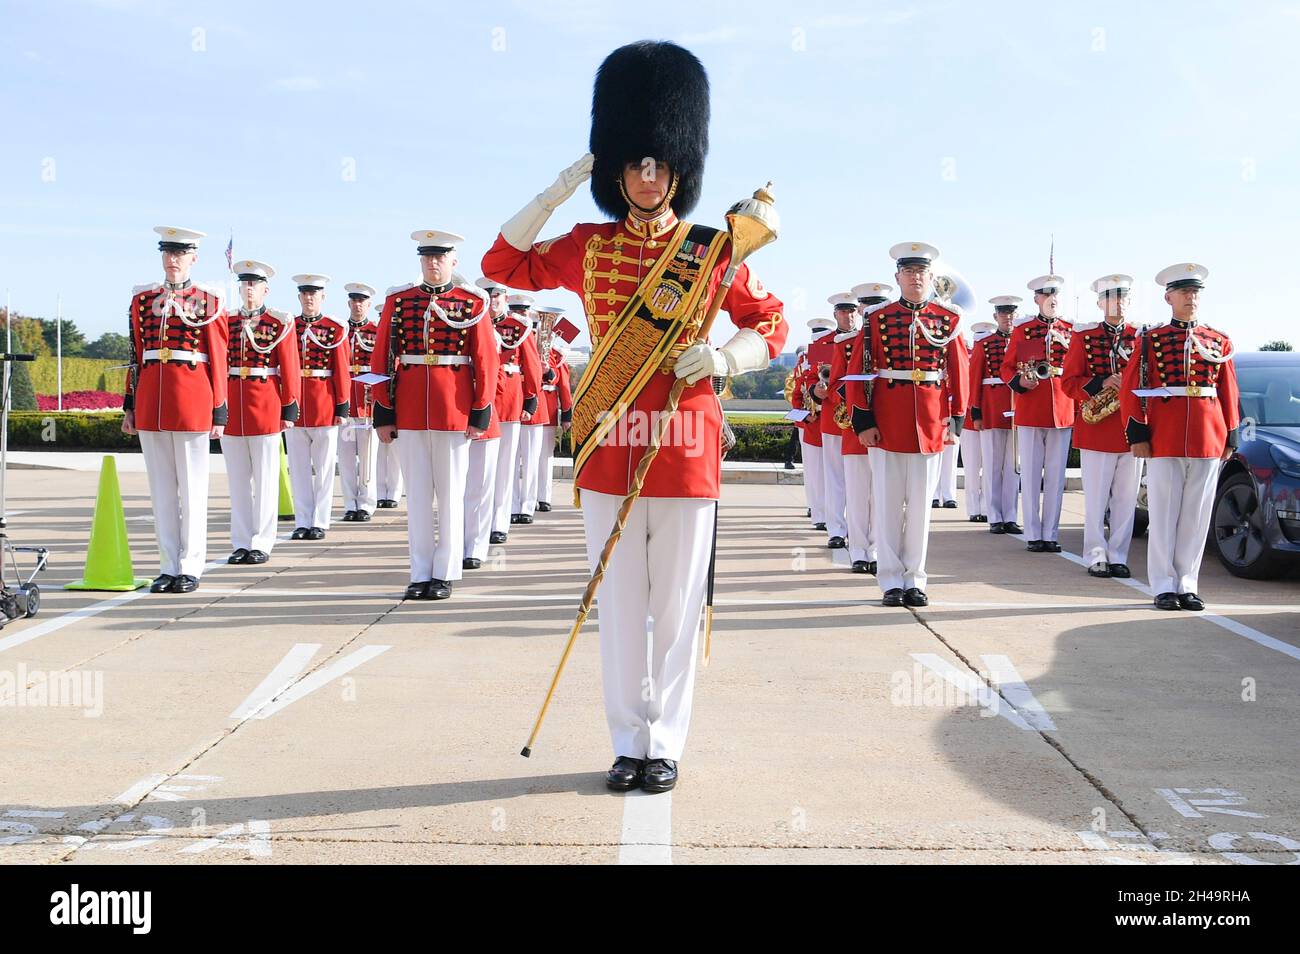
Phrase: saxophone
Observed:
(1106, 401)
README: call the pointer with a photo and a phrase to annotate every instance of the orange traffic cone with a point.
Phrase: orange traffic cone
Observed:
(108, 558)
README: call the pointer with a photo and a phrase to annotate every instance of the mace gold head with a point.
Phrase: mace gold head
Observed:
(752, 223)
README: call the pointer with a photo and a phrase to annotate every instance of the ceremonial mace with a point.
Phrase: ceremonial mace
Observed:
(751, 224)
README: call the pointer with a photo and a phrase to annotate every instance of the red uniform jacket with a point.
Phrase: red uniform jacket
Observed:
(1182, 426)
(1046, 405)
(420, 322)
(183, 386)
(520, 379)
(361, 343)
(990, 398)
(605, 263)
(912, 417)
(326, 382)
(1097, 352)
(532, 364)
(556, 392)
(260, 405)
(842, 352)
(807, 374)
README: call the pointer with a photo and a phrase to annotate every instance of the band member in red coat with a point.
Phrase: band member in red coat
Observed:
(645, 280)
(523, 494)
(991, 416)
(518, 387)
(972, 450)
(828, 349)
(484, 453)
(264, 388)
(1032, 368)
(326, 394)
(911, 407)
(1093, 367)
(1179, 400)
(807, 377)
(358, 448)
(441, 359)
(176, 401)
(556, 397)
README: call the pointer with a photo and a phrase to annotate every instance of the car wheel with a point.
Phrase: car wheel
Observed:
(1237, 531)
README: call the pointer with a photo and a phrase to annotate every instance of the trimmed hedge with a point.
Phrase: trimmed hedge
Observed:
(69, 430)
(79, 374)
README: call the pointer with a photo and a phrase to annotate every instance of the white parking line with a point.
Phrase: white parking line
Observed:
(647, 837)
(67, 619)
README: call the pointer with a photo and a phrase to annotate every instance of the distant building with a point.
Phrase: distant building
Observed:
(784, 360)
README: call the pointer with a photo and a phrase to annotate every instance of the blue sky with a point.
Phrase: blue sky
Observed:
(323, 133)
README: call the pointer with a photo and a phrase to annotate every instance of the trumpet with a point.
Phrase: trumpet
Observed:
(1042, 370)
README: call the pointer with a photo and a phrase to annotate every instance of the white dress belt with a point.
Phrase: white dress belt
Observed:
(548, 387)
(317, 373)
(1205, 391)
(992, 381)
(238, 371)
(436, 359)
(898, 374)
(510, 368)
(167, 354)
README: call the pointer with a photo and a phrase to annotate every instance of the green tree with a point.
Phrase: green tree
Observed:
(28, 336)
(109, 345)
(20, 384)
(1278, 345)
(74, 342)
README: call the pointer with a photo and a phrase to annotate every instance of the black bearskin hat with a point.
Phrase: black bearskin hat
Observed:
(651, 99)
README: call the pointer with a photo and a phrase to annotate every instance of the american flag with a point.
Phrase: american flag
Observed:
(230, 253)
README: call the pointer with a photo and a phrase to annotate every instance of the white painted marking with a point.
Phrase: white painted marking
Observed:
(647, 829)
(257, 844)
(32, 813)
(316, 680)
(971, 688)
(1003, 674)
(27, 634)
(139, 790)
(1225, 841)
(280, 678)
(1193, 807)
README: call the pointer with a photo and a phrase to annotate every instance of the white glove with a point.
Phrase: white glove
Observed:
(522, 230)
(747, 351)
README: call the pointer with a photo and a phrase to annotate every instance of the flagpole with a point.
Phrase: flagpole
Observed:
(58, 337)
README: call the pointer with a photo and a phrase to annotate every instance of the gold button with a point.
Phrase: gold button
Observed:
(652, 244)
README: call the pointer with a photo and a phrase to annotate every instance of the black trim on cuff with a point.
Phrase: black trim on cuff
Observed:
(1015, 385)
(1135, 432)
(480, 417)
(220, 415)
(530, 405)
(863, 420)
(384, 416)
(1234, 438)
(289, 412)
(975, 414)
(957, 422)
(128, 402)
(566, 417)
(341, 409)
(1094, 386)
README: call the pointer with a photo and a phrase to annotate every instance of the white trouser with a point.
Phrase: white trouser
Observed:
(389, 473)
(357, 458)
(902, 486)
(545, 481)
(313, 452)
(253, 469)
(177, 465)
(1001, 482)
(857, 494)
(1110, 482)
(649, 606)
(813, 486)
(524, 495)
(833, 501)
(1180, 498)
(972, 472)
(504, 489)
(1043, 454)
(480, 487)
(947, 487)
(435, 464)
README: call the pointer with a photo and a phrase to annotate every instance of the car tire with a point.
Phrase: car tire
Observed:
(1140, 520)
(1237, 531)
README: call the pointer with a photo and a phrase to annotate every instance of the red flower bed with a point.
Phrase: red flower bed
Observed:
(81, 401)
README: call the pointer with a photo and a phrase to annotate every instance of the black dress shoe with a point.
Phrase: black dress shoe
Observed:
(871, 567)
(1120, 571)
(349, 516)
(625, 774)
(439, 590)
(974, 519)
(997, 528)
(525, 518)
(363, 516)
(1051, 546)
(913, 596)
(1167, 601)
(819, 526)
(1190, 601)
(514, 517)
(162, 584)
(1099, 570)
(893, 597)
(934, 504)
(1012, 527)
(836, 543)
(859, 566)
(982, 518)
(257, 556)
(387, 504)
(299, 534)
(543, 507)
(418, 591)
(950, 505)
(1036, 546)
(496, 536)
(660, 775)
(239, 556)
(470, 563)
(184, 584)
(315, 533)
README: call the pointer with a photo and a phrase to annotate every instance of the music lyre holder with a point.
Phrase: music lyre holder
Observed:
(24, 597)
